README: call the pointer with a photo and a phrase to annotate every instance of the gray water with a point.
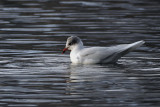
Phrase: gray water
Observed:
(33, 72)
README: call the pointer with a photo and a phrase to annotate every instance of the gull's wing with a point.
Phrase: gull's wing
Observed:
(107, 54)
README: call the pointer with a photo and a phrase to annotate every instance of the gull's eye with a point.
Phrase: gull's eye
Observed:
(70, 43)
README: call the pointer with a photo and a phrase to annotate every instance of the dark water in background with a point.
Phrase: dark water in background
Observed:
(33, 72)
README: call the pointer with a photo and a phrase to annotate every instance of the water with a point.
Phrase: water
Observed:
(33, 72)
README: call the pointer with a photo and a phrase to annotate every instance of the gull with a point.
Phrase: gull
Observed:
(97, 55)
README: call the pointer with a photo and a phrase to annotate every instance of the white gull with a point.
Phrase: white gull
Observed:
(94, 55)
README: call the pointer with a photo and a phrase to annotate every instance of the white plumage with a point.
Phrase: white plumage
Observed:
(93, 55)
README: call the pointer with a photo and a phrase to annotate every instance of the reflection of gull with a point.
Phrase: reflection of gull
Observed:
(93, 55)
(107, 83)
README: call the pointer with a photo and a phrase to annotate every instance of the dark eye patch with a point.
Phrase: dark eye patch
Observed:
(74, 41)
(70, 43)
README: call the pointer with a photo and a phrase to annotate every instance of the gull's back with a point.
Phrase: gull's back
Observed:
(106, 54)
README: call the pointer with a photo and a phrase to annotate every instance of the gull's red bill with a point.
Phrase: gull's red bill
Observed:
(64, 50)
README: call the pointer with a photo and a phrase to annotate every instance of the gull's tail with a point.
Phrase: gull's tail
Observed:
(124, 49)
(136, 44)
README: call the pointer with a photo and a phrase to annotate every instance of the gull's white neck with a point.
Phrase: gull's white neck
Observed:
(74, 53)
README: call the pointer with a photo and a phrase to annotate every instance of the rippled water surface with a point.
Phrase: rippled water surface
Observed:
(33, 72)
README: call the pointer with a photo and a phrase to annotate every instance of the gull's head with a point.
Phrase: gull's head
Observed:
(72, 42)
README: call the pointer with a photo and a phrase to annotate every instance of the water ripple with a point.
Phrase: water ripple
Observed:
(33, 72)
